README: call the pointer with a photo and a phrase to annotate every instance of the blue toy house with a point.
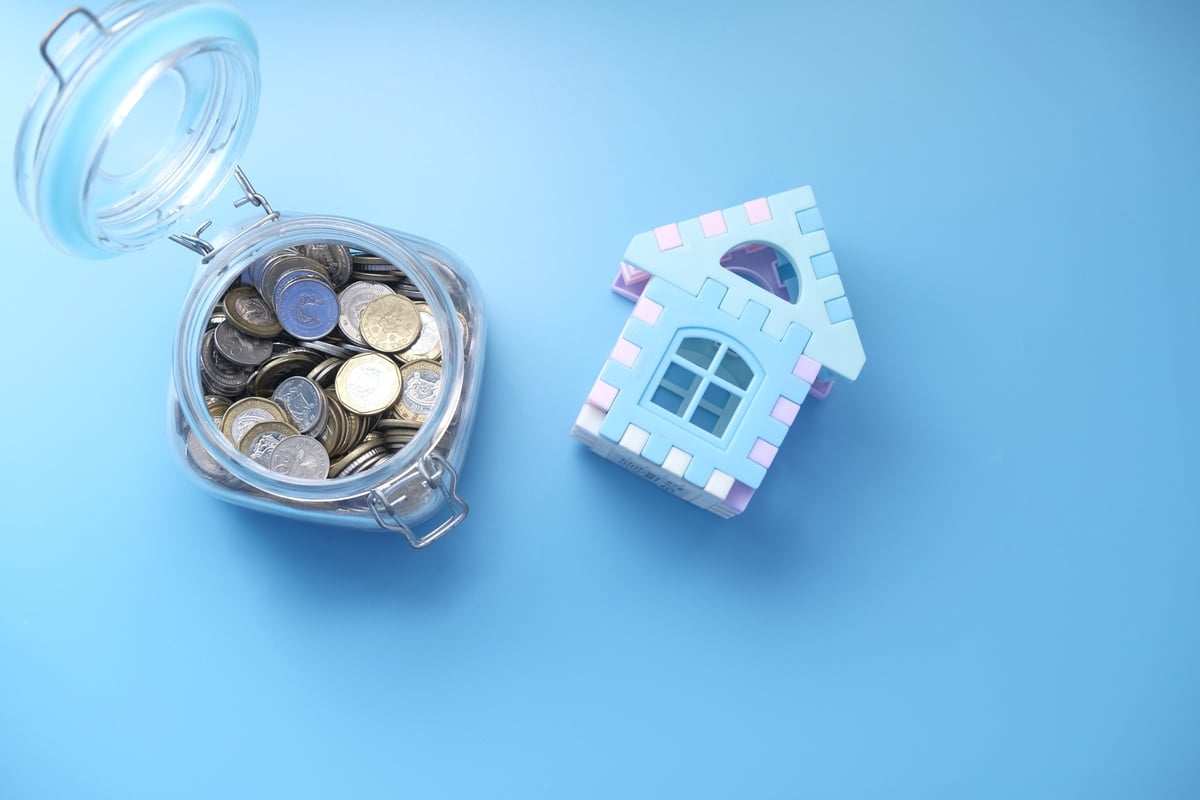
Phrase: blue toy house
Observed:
(739, 315)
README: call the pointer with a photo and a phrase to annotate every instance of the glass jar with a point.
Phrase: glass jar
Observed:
(179, 79)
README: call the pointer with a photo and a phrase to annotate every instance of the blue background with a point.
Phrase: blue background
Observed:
(974, 572)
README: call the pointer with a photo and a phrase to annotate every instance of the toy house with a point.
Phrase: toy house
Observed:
(738, 316)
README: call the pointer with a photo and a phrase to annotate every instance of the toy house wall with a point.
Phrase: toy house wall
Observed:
(774, 361)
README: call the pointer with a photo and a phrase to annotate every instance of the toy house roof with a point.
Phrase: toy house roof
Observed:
(690, 252)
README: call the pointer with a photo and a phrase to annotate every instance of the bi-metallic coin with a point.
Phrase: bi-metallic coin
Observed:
(422, 380)
(259, 442)
(245, 414)
(246, 309)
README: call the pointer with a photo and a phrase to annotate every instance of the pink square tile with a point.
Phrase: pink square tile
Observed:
(625, 353)
(630, 281)
(713, 224)
(602, 395)
(668, 237)
(631, 274)
(758, 211)
(739, 496)
(820, 389)
(806, 369)
(785, 411)
(647, 310)
(763, 453)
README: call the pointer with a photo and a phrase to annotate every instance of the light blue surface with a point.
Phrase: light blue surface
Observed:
(975, 572)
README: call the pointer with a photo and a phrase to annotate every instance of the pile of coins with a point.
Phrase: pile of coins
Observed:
(322, 362)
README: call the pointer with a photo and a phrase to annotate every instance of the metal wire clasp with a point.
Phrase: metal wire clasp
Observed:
(435, 471)
(252, 197)
(56, 27)
(193, 241)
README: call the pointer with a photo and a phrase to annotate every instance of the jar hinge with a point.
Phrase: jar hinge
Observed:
(436, 471)
(194, 242)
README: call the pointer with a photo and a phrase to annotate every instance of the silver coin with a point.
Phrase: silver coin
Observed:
(240, 348)
(202, 459)
(428, 344)
(329, 349)
(291, 276)
(263, 446)
(351, 302)
(365, 461)
(276, 267)
(219, 373)
(300, 457)
(286, 269)
(335, 258)
(372, 263)
(304, 403)
(253, 275)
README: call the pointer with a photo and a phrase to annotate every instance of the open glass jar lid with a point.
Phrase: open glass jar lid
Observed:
(139, 122)
(178, 80)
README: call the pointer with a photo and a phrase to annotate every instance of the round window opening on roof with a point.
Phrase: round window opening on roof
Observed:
(766, 267)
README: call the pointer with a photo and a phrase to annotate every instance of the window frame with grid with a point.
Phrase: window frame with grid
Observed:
(712, 394)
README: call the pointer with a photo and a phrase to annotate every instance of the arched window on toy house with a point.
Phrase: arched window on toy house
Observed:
(766, 267)
(704, 383)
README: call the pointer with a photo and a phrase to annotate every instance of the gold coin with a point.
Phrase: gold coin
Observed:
(245, 414)
(390, 323)
(368, 383)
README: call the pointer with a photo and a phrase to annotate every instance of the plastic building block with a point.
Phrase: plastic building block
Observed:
(630, 281)
(739, 316)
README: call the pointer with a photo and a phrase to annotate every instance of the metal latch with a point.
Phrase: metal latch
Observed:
(194, 242)
(434, 471)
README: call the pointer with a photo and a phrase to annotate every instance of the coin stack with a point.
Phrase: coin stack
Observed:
(322, 362)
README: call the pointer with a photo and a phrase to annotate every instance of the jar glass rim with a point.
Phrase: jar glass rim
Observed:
(225, 266)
